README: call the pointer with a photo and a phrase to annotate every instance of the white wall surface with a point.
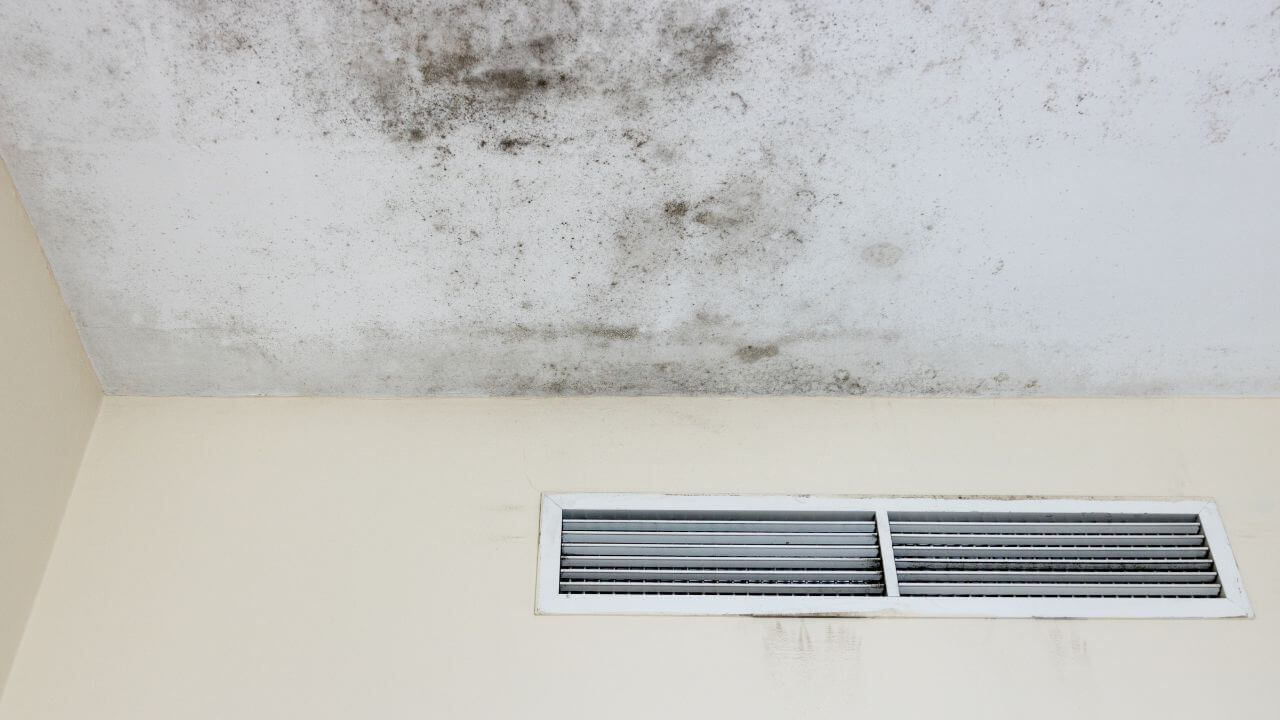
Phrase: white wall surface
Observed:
(324, 558)
(49, 398)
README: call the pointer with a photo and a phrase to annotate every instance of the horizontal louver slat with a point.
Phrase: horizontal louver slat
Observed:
(714, 538)
(1060, 590)
(1007, 516)
(711, 561)
(720, 550)
(1014, 576)
(721, 575)
(1153, 564)
(751, 553)
(1055, 540)
(717, 588)
(1034, 528)
(1044, 551)
(1051, 555)
(793, 526)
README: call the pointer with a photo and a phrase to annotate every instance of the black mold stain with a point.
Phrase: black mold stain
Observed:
(513, 145)
(754, 353)
(437, 67)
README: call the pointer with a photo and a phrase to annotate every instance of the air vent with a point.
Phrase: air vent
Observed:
(720, 553)
(734, 555)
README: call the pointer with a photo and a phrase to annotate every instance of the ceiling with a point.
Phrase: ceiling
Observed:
(495, 198)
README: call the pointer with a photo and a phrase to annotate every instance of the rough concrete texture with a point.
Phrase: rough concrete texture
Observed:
(409, 198)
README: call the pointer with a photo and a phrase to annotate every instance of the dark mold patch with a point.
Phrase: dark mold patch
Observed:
(513, 145)
(755, 353)
(501, 63)
(403, 67)
(444, 65)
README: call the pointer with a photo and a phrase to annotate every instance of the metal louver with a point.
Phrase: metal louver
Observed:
(949, 557)
(720, 553)
(1051, 554)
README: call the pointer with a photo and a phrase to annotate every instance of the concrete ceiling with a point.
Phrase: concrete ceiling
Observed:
(399, 198)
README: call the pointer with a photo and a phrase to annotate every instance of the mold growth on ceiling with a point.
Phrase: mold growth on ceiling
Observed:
(389, 197)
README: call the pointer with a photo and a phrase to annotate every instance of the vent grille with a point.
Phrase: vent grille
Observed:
(918, 557)
(784, 553)
(1094, 555)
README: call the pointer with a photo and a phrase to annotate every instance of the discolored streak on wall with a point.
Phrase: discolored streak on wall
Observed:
(571, 197)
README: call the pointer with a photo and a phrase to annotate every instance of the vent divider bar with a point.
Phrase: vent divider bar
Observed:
(886, 554)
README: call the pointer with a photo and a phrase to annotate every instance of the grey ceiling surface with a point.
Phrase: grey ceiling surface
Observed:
(492, 198)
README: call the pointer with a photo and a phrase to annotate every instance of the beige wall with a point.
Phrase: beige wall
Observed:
(318, 558)
(49, 397)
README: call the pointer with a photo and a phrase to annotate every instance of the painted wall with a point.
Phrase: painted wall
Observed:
(327, 558)
(49, 398)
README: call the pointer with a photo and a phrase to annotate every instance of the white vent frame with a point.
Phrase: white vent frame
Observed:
(549, 601)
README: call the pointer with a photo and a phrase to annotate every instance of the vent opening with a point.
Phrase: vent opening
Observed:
(720, 553)
(638, 554)
(1052, 555)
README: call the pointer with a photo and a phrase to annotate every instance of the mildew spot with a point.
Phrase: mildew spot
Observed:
(703, 45)
(745, 222)
(754, 353)
(882, 255)
(843, 382)
(610, 332)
